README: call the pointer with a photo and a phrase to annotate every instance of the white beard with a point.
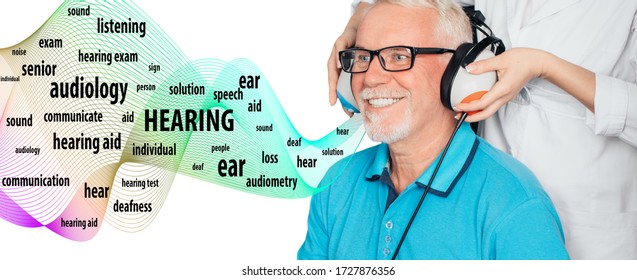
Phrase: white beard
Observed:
(374, 122)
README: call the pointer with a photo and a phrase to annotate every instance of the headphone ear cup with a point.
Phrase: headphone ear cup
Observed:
(449, 76)
(345, 94)
(489, 43)
(467, 87)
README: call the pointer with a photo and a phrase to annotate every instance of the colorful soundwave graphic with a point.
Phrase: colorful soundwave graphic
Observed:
(103, 109)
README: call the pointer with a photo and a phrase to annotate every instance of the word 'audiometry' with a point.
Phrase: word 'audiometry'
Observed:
(100, 110)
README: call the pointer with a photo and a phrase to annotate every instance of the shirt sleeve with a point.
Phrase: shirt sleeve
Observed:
(616, 98)
(317, 238)
(532, 231)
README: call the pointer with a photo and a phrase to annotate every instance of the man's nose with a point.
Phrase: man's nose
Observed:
(375, 74)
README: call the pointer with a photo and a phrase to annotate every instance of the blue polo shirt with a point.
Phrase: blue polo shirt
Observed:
(483, 204)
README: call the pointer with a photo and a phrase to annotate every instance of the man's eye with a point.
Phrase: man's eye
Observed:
(400, 57)
(364, 58)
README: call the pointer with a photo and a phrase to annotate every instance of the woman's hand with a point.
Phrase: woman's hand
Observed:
(515, 67)
(346, 40)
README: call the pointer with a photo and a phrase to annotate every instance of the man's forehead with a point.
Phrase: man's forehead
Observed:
(390, 24)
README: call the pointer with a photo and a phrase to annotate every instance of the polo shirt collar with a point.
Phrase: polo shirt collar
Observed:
(457, 160)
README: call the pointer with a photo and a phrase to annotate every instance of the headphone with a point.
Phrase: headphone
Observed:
(457, 85)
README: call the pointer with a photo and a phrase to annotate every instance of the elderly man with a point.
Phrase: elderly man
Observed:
(483, 204)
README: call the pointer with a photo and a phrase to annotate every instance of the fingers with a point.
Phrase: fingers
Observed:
(515, 68)
(348, 113)
(486, 106)
(486, 113)
(480, 104)
(485, 65)
(334, 67)
(332, 75)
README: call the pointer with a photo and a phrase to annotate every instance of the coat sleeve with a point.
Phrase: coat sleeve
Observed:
(616, 97)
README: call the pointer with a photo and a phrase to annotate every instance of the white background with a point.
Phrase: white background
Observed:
(208, 231)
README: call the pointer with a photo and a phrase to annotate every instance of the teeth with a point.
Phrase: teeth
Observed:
(382, 102)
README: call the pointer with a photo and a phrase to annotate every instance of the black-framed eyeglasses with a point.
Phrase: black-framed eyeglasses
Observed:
(392, 59)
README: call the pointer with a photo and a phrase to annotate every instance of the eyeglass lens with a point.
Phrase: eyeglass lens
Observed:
(391, 59)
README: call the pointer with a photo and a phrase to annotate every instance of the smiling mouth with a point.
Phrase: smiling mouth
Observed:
(382, 102)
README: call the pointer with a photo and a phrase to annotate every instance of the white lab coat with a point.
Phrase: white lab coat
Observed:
(586, 162)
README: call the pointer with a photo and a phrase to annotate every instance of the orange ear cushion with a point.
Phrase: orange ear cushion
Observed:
(472, 97)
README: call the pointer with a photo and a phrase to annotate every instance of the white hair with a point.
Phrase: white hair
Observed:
(453, 24)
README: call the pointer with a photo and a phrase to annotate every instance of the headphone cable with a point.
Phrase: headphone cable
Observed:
(433, 176)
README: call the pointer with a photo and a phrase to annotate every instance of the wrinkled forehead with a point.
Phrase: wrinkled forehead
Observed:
(391, 25)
